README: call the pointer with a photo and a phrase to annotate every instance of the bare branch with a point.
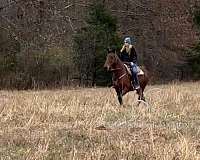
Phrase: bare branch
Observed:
(70, 22)
(139, 4)
(70, 5)
(129, 13)
(10, 4)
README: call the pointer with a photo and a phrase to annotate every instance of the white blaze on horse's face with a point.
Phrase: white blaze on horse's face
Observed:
(110, 61)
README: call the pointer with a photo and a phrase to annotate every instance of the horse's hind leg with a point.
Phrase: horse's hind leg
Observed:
(143, 97)
(140, 96)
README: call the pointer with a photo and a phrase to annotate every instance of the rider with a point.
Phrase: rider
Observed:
(128, 54)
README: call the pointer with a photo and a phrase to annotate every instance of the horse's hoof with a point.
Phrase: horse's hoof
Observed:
(144, 102)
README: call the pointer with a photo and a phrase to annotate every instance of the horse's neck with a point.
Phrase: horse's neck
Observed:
(120, 64)
(120, 68)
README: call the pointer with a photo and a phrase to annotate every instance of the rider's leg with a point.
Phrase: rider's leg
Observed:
(134, 75)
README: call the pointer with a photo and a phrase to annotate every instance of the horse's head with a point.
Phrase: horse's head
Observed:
(110, 59)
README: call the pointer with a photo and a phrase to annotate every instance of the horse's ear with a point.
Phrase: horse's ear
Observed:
(108, 49)
(111, 50)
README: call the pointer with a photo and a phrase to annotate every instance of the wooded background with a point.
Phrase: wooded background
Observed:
(52, 43)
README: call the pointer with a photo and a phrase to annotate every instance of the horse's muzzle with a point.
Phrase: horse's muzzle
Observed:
(106, 67)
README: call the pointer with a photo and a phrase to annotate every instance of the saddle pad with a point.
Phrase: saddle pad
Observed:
(139, 70)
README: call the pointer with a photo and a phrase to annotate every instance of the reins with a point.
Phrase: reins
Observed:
(121, 75)
(115, 69)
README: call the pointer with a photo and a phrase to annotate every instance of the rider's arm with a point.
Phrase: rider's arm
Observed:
(121, 55)
(133, 55)
(123, 47)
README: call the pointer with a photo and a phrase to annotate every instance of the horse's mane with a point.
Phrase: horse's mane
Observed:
(118, 59)
(113, 50)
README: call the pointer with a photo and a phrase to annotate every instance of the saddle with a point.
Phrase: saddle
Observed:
(139, 70)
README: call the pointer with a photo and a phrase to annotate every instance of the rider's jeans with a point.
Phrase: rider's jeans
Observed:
(134, 74)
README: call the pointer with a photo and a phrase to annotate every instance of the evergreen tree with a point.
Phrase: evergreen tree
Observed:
(194, 61)
(90, 45)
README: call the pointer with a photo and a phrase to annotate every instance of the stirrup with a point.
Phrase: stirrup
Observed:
(138, 87)
(135, 87)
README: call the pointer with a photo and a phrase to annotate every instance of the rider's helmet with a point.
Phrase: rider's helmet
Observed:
(127, 40)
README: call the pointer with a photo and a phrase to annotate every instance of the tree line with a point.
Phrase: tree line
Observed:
(58, 43)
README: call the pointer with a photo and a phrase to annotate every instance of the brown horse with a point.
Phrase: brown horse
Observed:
(122, 79)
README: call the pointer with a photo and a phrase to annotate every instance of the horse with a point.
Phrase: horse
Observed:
(121, 78)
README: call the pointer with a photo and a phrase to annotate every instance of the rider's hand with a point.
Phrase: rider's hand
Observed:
(123, 47)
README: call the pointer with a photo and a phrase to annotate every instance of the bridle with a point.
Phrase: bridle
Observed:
(116, 69)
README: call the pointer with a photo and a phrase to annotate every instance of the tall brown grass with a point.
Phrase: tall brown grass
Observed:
(89, 124)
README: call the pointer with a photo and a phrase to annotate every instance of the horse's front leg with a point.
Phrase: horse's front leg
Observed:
(119, 95)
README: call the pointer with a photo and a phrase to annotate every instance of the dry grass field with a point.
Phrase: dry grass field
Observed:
(88, 124)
